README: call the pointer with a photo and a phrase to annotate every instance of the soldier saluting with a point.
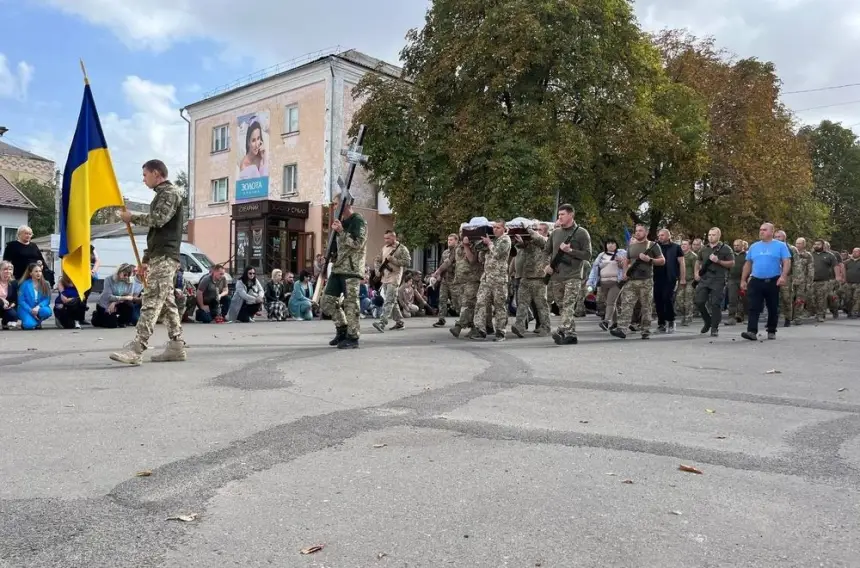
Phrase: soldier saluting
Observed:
(347, 270)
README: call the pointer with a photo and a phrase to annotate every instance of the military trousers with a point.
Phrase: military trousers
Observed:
(158, 296)
(738, 303)
(636, 292)
(709, 301)
(468, 298)
(818, 298)
(684, 297)
(341, 303)
(448, 295)
(852, 298)
(532, 292)
(786, 299)
(569, 291)
(390, 306)
(492, 295)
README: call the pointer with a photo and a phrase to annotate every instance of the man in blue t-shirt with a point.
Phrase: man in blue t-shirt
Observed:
(766, 269)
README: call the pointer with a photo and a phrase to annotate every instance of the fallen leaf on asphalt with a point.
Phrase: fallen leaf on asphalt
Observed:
(721, 437)
(144, 473)
(678, 513)
(773, 372)
(379, 445)
(689, 469)
(710, 411)
(583, 421)
(843, 389)
(627, 482)
(381, 555)
(183, 518)
(312, 549)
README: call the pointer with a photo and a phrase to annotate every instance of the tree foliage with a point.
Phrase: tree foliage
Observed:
(43, 196)
(835, 156)
(504, 105)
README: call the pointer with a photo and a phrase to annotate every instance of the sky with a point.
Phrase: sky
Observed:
(148, 58)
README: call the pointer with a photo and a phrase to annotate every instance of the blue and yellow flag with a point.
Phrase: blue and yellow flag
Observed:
(89, 184)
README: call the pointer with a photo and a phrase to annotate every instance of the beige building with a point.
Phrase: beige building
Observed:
(19, 165)
(264, 159)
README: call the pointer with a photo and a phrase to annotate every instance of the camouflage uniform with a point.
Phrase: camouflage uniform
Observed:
(163, 241)
(401, 258)
(823, 266)
(580, 311)
(346, 273)
(802, 275)
(737, 298)
(532, 287)
(447, 289)
(467, 277)
(638, 288)
(685, 294)
(493, 289)
(787, 290)
(852, 287)
(568, 288)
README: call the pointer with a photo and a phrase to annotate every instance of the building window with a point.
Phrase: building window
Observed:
(220, 138)
(291, 120)
(291, 180)
(219, 190)
(8, 235)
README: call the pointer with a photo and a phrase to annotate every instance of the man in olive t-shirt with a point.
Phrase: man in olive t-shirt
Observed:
(852, 284)
(712, 268)
(638, 281)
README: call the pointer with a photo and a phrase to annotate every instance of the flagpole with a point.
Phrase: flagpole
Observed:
(127, 225)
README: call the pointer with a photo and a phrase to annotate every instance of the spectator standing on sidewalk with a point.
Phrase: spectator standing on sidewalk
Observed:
(766, 269)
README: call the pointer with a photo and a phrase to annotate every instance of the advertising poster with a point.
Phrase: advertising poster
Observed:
(252, 169)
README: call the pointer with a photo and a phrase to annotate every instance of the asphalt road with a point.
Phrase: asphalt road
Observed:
(420, 450)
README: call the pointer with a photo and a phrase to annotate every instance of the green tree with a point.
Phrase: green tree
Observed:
(835, 155)
(43, 196)
(503, 104)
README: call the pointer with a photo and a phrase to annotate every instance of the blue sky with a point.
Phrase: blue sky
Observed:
(147, 58)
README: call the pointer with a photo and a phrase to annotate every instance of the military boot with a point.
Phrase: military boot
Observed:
(130, 355)
(517, 331)
(440, 323)
(339, 336)
(455, 331)
(348, 343)
(175, 351)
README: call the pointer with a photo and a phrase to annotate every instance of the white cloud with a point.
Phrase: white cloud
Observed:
(154, 129)
(14, 84)
(266, 31)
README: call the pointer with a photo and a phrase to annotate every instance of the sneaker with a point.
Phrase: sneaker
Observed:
(455, 331)
(730, 321)
(558, 337)
(661, 328)
(771, 335)
(715, 333)
(617, 332)
(440, 323)
(749, 335)
(77, 325)
(670, 327)
(604, 325)
(478, 335)
(500, 336)
(646, 336)
(252, 320)
(706, 328)
(399, 326)
(517, 331)
(379, 326)
(786, 323)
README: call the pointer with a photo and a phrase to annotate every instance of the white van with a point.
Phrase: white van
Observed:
(115, 251)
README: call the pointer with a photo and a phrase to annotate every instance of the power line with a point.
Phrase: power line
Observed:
(828, 106)
(819, 89)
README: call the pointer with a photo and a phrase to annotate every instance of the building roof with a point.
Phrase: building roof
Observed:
(9, 150)
(350, 55)
(11, 197)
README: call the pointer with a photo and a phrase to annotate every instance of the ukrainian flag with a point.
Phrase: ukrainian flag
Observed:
(89, 184)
